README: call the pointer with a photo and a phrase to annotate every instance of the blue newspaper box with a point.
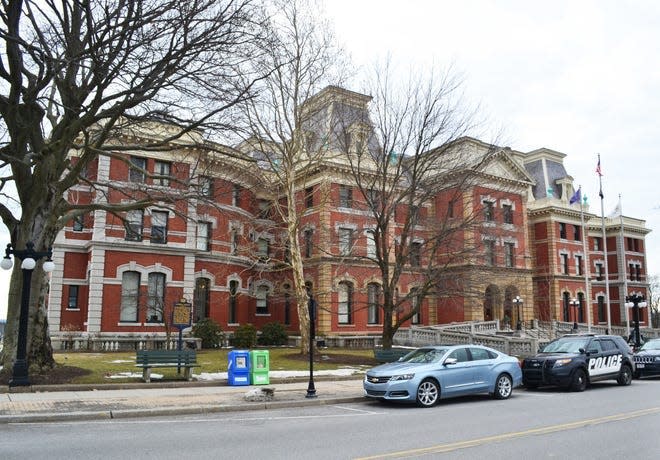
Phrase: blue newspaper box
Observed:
(238, 367)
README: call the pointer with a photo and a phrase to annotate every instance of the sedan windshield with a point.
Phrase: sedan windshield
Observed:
(565, 346)
(424, 355)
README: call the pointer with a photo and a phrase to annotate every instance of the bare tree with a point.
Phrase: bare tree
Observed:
(654, 300)
(413, 171)
(79, 76)
(282, 127)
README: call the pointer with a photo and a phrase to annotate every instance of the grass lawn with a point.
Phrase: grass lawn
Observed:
(95, 368)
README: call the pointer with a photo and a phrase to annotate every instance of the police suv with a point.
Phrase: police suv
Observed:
(576, 360)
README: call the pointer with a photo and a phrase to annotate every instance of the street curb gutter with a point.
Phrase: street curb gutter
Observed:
(166, 411)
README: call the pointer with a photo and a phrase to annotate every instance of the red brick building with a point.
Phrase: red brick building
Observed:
(119, 276)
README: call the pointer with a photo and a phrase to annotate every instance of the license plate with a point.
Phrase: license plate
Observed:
(640, 365)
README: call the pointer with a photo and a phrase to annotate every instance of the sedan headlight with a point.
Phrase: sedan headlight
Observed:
(563, 362)
(401, 377)
(657, 358)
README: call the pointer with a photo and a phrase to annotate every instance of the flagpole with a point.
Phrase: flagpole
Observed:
(587, 270)
(622, 300)
(602, 222)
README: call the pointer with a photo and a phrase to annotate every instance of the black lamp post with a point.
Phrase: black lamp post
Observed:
(636, 301)
(518, 303)
(575, 303)
(311, 306)
(29, 258)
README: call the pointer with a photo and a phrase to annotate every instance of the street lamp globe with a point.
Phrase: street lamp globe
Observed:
(28, 263)
(6, 263)
(49, 266)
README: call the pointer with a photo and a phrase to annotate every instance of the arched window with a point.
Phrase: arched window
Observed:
(130, 294)
(156, 297)
(416, 304)
(566, 297)
(201, 299)
(581, 307)
(262, 300)
(345, 306)
(233, 302)
(374, 301)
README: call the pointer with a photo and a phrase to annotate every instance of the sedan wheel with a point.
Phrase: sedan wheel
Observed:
(428, 393)
(503, 387)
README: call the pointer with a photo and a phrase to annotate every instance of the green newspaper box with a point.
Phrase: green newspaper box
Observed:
(259, 367)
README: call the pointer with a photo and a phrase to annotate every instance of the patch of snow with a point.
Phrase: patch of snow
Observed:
(132, 375)
(281, 374)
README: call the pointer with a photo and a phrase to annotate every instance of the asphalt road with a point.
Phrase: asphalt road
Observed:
(604, 422)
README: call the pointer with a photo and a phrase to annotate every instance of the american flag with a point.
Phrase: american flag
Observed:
(598, 171)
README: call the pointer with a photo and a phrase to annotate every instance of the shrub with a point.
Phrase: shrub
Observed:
(245, 336)
(210, 333)
(273, 334)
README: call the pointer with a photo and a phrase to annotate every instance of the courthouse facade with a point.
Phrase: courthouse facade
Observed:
(118, 274)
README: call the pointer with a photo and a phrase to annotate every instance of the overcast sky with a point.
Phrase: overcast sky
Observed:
(579, 77)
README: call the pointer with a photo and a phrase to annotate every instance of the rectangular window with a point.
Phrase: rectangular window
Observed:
(564, 263)
(73, 298)
(578, 266)
(309, 197)
(155, 297)
(450, 209)
(631, 268)
(262, 300)
(236, 196)
(309, 242)
(130, 290)
(373, 294)
(162, 171)
(203, 236)
(599, 272)
(597, 244)
(345, 196)
(489, 246)
(205, 186)
(576, 233)
(345, 303)
(262, 248)
(489, 215)
(233, 241)
(415, 254)
(562, 230)
(264, 209)
(137, 168)
(509, 254)
(133, 225)
(371, 244)
(159, 226)
(507, 213)
(345, 241)
(79, 223)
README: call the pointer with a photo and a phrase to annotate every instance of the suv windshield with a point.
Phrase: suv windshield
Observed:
(566, 346)
(424, 355)
(651, 345)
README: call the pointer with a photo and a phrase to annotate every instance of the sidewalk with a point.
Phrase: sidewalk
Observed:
(77, 403)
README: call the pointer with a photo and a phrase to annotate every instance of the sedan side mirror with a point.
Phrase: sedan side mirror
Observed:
(450, 361)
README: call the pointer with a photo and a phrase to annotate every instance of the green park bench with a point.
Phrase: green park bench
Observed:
(147, 359)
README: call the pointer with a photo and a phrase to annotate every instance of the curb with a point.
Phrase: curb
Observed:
(166, 411)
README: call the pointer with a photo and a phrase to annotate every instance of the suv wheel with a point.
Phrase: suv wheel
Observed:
(579, 381)
(625, 376)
